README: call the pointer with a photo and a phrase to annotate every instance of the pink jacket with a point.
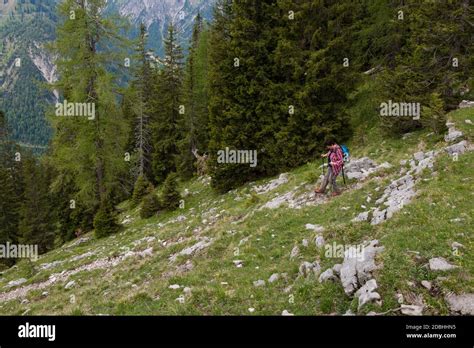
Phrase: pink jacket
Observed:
(337, 158)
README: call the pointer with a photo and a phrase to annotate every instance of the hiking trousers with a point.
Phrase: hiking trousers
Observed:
(329, 178)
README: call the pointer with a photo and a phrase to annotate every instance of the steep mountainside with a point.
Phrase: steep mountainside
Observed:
(271, 247)
(157, 15)
(25, 64)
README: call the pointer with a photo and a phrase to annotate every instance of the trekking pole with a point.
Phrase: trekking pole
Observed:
(322, 162)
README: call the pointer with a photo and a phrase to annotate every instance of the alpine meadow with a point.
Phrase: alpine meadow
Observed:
(237, 158)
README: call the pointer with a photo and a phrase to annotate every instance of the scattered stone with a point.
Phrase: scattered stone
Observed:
(187, 290)
(468, 122)
(305, 243)
(259, 283)
(337, 269)
(319, 241)
(327, 275)
(294, 252)
(361, 217)
(308, 268)
(25, 301)
(53, 264)
(251, 310)
(458, 148)
(359, 168)
(204, 243)
(273, 184)
(463, 304)
(15, 283)
(426, 284)
(466, 104)
(398, 193)
(273, 278)
(44, 293)
(356, 271)
(70, 284)
(414, 310)
(238, 263)
(127, 220)
(367, 293)
(418, 156)
(315, 228)
(80, 257)
(456, 245)
(348, 313)
(452, 135)
(285, 313)
(279, 200)
(174, 286)
(440, 264)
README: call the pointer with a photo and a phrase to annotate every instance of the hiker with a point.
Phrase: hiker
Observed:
(335, 163)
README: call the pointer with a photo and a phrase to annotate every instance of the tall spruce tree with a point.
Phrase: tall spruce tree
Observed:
(242, 106)
(36, 212)
(281, 76)
(92, 148)
(168, 109)
(10, 190)
(195, 121)
(435, 60)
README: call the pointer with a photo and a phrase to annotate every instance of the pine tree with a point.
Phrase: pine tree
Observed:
(150, 206)
(242, 109)
(141, 189)
(195, 120)
(170, 197)
(140, 96)
(85, 77)
(105, 222)
(435, 59)
(10, 190)
(36, 212)
(165, 128)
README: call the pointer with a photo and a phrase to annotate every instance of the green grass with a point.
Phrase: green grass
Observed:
(141, 286)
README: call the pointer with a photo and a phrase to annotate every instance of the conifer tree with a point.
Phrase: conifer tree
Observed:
(92, 148)
(194, 122)
(10, 190)
(141, 189)
(168, 109)
(150, 206)
(435, 59)
(36, 211)
(170, 196)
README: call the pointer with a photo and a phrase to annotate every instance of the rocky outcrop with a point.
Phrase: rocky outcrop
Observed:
(272, 185)
(466, 104)
(361, 168)
(356, 271)
(462, 304)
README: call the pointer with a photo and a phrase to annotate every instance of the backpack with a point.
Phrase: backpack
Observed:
(347, 158)
(346, 153)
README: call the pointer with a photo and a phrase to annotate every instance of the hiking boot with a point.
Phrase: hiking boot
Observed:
(335, 193)
(319, 191)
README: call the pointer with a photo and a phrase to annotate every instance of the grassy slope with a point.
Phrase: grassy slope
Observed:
(140, 286)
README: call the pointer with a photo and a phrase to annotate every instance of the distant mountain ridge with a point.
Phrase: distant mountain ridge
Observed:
(26, 25)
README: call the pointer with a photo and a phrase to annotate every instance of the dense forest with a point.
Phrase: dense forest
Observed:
(271, 76)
